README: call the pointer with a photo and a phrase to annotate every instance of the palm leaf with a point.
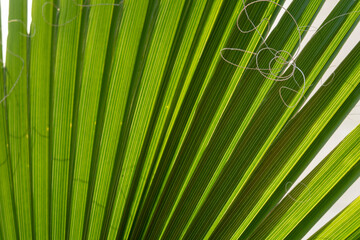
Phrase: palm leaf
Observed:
(17, 109)
(161, 120)
(40, 69)
(313, 189)
(335, 228)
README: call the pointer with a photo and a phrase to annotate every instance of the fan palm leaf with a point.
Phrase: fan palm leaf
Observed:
(174, 119)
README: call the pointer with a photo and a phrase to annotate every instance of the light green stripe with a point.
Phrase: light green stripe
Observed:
(39, 80)
(91, 78)
(63, 97)
(17, 102)
(133, 18)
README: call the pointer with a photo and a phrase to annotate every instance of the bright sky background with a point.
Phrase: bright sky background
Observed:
(349, 123)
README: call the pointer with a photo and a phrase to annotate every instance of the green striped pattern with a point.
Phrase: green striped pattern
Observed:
(39, 94)
(344, 226)
(150, 119)
(18, 121)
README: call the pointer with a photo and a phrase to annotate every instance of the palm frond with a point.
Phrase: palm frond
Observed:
(174, 119)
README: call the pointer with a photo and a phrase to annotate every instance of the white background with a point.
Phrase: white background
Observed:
(349, 124)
